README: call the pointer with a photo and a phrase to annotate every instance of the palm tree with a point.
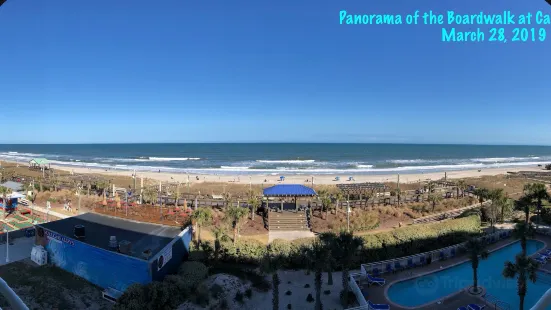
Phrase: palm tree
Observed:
(5, 192)
(325, 199)
(329, 241)
(477, 251)
(536, 193)
(482, 194)
(227, 199)
(524, 268)
(318, 256)
(219, 235)
(435, 198)
(270, 265)
(347, 245)
(254, 203)
(522, 231)
(201, 216)
(498, 199)
(339, 197)
(236, 216)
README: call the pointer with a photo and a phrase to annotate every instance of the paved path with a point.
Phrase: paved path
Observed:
(44, 210)
(289, 235)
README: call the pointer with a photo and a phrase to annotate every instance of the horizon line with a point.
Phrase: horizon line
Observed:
(253, 142)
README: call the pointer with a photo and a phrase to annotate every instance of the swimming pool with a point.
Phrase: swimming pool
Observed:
(435, 286)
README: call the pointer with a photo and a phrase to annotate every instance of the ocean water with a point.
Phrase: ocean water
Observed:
(282, 158)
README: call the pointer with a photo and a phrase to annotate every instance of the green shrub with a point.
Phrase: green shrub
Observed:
(249, 293)
(193, 273)
(310, 298)
(288, 293)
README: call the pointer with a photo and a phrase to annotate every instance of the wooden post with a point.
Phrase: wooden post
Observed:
(141, 190)
(177, 195)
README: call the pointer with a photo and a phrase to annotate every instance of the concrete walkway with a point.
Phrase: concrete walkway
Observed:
(19, 250)
(289, 235)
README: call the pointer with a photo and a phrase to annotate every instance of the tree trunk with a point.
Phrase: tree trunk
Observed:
(475, 280)
(234, 235)
(318, 290)
(345, 287)
(275, 292)
(521, 304)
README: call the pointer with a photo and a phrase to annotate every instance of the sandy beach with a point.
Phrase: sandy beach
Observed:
(301, 179)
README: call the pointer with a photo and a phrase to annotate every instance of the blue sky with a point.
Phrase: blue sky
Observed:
(266, 71)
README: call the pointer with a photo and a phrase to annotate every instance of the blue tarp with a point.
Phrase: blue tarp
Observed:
(289, 190)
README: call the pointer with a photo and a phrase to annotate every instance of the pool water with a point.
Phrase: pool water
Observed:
(433, 287)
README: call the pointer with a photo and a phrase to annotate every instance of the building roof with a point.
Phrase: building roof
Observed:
(294, 190)
(39, 161)
(14, 186)
(99, 228)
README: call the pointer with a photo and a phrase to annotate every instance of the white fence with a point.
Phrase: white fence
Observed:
(427, 257)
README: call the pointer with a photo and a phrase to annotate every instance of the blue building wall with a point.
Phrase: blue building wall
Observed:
(99, 266)
(180, 251)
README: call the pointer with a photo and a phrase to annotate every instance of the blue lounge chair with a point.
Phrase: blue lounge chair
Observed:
(541, 261)
(379, 281)
(442, 255)
(422, 261)
(475, 307)
(375, 271)
(452, 252)
(389, 268)
(397, 266)
(337, 179)
(373, 306)
(410, 263)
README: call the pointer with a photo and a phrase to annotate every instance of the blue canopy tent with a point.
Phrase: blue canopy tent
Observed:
(289, 190)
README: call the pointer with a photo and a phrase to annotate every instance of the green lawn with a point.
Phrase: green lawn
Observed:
(49, 287)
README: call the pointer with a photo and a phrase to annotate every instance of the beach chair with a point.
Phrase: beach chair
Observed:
(410, 263)
(282, 178)
(337, 179)
(475, 307)
(398, 266)
(452, 252)
(422, 261)
(375, 271)
(541, 261)
(378, 281)
(442, 255)
(351, 179)
(373, 306)
(389, 268)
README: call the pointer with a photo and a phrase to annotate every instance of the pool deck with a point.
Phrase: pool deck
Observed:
(378, 294)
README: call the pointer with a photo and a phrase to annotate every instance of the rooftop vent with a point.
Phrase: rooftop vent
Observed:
(79, 232)
(125, 247)
(113, 243)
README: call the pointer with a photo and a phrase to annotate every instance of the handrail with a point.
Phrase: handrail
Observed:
(366, 267)
(15, 302)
